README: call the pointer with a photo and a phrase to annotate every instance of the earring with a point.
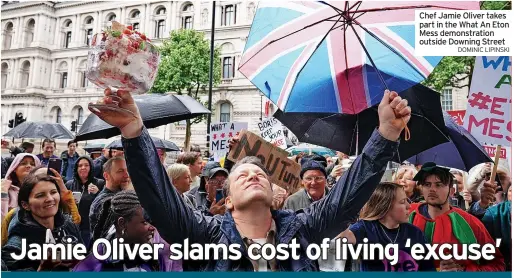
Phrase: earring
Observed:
(123, 233)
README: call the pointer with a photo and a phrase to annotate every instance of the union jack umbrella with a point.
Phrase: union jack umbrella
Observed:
(336, 57)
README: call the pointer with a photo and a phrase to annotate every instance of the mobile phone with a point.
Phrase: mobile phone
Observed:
(56, 164)
(77, 196)
(454, 202)
(219, 195)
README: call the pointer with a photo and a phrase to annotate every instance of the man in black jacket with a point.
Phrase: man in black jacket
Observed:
(249, 218)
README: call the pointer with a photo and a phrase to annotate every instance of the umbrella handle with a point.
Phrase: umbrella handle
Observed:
(407, 131)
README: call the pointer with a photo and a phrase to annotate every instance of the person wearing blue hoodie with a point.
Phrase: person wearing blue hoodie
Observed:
(88, 186)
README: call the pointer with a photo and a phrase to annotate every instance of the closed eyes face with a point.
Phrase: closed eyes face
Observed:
(249, 183)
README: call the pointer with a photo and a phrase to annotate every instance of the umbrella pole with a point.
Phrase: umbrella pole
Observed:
(357, 141)
(211, 68)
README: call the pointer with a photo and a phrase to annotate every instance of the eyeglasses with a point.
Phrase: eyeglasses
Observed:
(315, 179)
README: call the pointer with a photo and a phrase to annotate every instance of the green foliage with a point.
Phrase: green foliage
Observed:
(452, 70)
(184, 68)
(185, 61)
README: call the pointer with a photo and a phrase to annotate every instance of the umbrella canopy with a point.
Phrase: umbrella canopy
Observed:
(93, 147)
(462, 152)
(336, 57)
(155, 109)
(40, 130)
(306, 149)
(346, 133)
(159, 144)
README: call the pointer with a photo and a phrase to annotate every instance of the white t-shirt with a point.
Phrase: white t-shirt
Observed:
(263, 264)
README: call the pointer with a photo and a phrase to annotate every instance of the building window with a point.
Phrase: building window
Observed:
(80, 116)
(225, 112)
(67, 39)
(89, 20)
(159, 32)
(5, 72)
(135, 14)
(8, 35)
(135, 26)
(111, 17)
(89, 35)
(25, 74)
(58, 115)
(188, 23)
(228, 67)
(29, 35)
(64, 80)
(161, 11)
(85, 81)
(447, 100)
(228, 15)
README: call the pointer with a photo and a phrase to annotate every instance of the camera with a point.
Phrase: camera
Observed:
(16, 150)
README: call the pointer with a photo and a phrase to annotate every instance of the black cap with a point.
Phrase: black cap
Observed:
(208, 167)
(430, 167)
(213, 172)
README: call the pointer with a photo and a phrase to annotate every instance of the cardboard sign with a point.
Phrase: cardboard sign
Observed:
(488, 114)
(220, 134)
(271, 131)
(284, 172)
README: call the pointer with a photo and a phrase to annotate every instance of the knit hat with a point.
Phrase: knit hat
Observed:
(312, 165)
(316, 157)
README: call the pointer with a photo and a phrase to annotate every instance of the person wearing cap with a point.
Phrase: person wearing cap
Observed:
(314, 180)
(213, 175)
(442, 223)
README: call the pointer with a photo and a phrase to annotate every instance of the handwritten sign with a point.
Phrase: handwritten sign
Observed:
(220, 134)
(488, 116)
(283, 171)
(271, 131)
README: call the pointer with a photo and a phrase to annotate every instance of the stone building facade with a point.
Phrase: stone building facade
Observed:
(44, 57)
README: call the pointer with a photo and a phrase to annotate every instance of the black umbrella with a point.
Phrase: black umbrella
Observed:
(346, 133)
(40, 130)
(93, 147)
(155, 109)
(159, 144)
(462, 152)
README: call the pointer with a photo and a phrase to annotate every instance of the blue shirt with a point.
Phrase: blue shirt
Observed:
(71, 166)
(375, 232)
(44, 161)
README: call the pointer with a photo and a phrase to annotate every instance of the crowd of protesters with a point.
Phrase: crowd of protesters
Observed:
(133, 195)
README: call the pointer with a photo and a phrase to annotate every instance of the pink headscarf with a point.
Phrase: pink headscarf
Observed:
(11, 201)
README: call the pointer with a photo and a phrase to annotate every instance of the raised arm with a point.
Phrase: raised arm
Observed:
(330, 216)
(173, 219)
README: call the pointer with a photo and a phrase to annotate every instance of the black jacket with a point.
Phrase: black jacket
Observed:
(87, 199)
(23, 226)
(98, 165)
(65, 163)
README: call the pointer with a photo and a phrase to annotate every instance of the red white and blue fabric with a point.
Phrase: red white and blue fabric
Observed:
(304, 58)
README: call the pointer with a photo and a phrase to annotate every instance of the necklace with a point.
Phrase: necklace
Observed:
(397, 233)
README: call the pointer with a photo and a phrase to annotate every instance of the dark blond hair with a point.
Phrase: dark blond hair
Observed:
(380, 202)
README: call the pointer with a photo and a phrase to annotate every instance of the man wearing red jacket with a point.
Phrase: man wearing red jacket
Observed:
(442, 223)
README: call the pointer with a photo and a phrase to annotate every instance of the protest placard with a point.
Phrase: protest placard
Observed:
(458, 116)
(283, 171)
(220, 134)
(488, 114)
(271, 131)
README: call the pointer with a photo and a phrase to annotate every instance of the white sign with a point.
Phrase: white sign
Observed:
(488, 115)
(271, 131)
(463, 33)
(220, 134)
